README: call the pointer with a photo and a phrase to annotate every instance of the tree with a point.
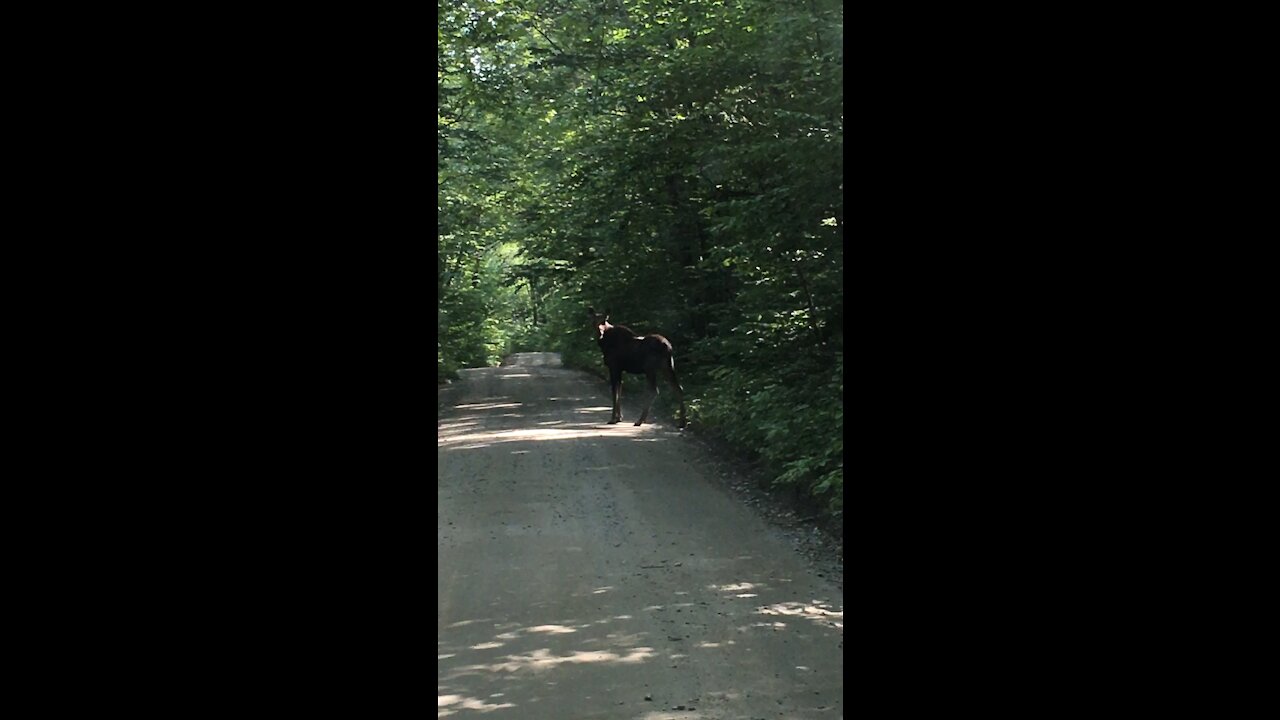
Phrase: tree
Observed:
(678, 160)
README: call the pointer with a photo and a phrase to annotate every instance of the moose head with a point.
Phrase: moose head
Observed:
(599, 322)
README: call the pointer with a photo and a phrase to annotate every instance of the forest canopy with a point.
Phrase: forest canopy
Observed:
(677, 161)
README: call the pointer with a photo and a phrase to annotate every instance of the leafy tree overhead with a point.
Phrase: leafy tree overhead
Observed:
(680, 161)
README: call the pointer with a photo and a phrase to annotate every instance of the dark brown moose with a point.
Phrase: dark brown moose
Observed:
(625, 351)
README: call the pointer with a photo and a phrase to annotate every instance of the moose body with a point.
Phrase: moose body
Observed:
(626, 352)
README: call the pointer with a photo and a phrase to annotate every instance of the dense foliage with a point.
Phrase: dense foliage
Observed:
(677, 161)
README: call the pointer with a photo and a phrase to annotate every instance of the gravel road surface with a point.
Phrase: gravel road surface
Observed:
(589, 570)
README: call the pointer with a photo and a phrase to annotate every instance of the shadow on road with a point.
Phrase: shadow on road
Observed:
(522, 669)
(502, 419)
(588, 570)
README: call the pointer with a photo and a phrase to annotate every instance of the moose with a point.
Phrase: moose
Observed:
(625, 351)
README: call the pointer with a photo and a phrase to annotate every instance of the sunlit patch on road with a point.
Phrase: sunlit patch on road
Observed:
(551, 629)
(542, 659)
(815, 611)
(487, 406)
(472, 440)
(449, 704)
(733, 587)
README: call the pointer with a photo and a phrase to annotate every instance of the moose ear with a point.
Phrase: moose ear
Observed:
(606, 314)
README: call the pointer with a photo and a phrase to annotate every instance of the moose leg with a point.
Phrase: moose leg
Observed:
(652, 377)
(615, 383)
(670, 372)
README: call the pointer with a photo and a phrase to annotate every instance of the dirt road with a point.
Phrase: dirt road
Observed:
(589, 570)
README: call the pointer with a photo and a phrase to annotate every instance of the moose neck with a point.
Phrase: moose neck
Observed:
(616, 334)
